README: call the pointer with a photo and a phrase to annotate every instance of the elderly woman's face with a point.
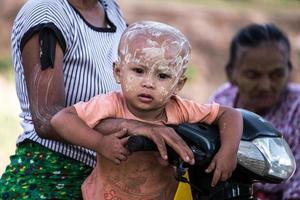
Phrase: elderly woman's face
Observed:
(261, 74)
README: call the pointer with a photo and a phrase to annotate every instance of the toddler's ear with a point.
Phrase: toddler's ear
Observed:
(180, 84)
(116, 69)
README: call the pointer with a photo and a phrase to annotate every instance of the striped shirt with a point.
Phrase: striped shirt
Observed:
(88, 55)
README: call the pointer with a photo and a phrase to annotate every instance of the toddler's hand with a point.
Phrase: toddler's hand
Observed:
(113, 147)
(223, 164)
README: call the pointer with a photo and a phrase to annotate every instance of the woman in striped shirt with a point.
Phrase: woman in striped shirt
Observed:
(63, 52)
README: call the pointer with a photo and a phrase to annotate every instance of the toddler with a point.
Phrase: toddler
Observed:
(150, 68)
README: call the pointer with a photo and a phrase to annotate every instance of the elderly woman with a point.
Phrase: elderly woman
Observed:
(259, 70)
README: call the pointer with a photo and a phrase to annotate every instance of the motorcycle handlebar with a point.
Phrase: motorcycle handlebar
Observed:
(140, 143)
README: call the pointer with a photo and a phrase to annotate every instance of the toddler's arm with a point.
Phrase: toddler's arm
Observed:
(230, 124)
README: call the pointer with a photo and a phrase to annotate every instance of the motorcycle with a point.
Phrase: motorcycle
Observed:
(263, 156)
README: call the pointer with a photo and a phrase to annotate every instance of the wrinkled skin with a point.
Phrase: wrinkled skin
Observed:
(261, 74)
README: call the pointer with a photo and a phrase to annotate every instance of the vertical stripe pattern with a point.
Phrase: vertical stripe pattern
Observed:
(88, 59)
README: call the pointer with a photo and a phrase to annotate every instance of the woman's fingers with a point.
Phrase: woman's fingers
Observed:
(161, 135)
(179, 145)
(161, 161)
(169, 136)
(161, 146)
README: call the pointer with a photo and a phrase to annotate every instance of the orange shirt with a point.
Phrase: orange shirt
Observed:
(140, 177)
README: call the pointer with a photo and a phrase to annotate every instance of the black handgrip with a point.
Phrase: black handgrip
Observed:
(140, 143)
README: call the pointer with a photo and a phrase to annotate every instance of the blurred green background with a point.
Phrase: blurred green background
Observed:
(208, 24)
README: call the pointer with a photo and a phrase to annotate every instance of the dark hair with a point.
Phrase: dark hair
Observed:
(252, 36)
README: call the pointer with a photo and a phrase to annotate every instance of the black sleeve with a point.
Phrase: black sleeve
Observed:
(49, 35)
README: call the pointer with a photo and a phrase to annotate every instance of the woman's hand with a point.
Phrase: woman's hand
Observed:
(159, 134)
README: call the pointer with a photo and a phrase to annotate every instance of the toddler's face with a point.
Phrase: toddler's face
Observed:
(150, 71)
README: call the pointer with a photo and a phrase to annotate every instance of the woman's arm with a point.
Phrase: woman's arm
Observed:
(159, 134)
(45, 88)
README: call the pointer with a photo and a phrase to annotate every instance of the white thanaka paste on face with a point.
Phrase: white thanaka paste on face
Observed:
(159, 47)
(157, 35)
(165, 92)
(129, 86)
